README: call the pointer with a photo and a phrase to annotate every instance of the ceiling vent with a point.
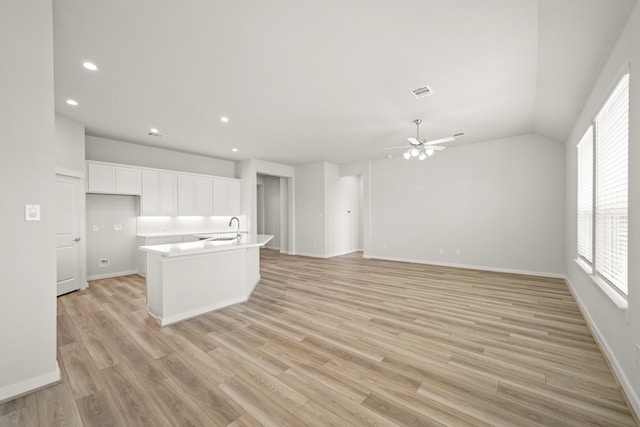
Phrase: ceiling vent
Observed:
(421, 92)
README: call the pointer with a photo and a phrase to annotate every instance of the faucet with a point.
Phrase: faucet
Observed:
(238, 229)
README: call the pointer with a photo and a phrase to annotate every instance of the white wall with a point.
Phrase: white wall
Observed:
(310, 210)
(326, 211)
(70, 153)
(284, 215)
(120, 247)
(109, 150)
(332, 217)
(27, 176)
(499, 203)
(618, 330)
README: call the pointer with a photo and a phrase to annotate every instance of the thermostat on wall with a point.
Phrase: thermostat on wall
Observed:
(32, 212)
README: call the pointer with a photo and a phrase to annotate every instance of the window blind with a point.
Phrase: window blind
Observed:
(585, 196)
(611, 205)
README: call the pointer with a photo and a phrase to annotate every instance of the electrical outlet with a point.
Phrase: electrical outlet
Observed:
(441, 251)
(96, 228)
(104, 262)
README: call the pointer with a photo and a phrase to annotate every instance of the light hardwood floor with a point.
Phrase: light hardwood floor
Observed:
(341, 341)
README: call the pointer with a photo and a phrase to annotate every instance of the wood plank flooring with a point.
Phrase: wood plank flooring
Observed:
(342, 341)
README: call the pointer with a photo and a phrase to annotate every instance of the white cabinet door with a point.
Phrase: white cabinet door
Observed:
(101, 178)
(150, 201)
(186, 194)
(194, 194)
(113, 179)
(227, 196)
(204, 193)
(128, 180)
(168, 193)
(159, 195)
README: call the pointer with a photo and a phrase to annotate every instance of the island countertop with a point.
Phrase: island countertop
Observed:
(205, 246)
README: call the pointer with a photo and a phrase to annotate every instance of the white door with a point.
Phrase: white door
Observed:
(68, 193)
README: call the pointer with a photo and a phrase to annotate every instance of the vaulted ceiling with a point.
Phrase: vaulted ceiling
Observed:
(304, 81)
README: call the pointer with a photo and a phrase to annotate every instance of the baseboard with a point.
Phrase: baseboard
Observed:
(623, 381)
(189, 314)
(308, 254)
(470, 267)
(342, 253)
(110, 275)
(28, 386)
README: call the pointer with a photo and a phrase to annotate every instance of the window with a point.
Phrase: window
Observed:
(585, 196)
(603, 189)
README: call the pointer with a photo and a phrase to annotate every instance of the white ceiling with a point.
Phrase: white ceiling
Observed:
(304, 81)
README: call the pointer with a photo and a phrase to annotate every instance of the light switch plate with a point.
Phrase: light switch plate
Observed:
(32, 212)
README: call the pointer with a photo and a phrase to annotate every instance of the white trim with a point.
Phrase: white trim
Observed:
(253, 288)
(343, 253)
(110, 275)
(308, 254)
(624, 381)
(69, 172)
(169, 320)
(32, 384)
(605, 287)
(470, 267)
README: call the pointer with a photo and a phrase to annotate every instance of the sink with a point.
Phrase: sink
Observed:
(220, 239)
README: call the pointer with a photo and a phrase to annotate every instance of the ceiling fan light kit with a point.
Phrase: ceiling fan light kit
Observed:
(421, 148)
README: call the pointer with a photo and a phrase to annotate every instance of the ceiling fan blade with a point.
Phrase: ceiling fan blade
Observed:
(441, 140)
(395, 148)
(414, 141)
(435, 147)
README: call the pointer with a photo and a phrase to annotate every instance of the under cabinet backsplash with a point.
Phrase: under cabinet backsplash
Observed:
(187, 224)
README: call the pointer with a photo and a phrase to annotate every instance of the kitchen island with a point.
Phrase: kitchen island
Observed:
(185, 280)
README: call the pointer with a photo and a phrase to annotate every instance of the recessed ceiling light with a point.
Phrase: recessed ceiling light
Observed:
(72, 102)
(153, 130)
(235, 150)
(90, 66)
(224, 119)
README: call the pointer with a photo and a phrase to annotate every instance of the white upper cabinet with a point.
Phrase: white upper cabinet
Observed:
(167, 192)
(113, 179)
(159, 192)
(128, 180)
(227, 196)
(194, 194)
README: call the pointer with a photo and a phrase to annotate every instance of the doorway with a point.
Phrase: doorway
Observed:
(272, 210)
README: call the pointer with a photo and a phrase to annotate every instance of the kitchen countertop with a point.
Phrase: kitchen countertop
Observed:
(206, 246)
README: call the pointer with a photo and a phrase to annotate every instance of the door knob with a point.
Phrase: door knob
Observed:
(77, 239)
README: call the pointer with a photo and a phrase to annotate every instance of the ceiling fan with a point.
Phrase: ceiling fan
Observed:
(421, 148)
